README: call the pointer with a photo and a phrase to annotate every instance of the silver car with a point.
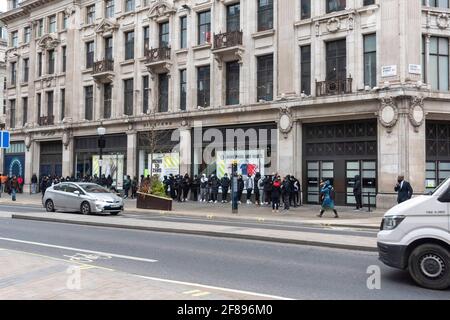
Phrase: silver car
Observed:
(81, 197)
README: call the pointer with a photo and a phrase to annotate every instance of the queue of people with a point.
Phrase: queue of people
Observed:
(259, 190)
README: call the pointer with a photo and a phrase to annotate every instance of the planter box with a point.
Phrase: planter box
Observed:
(149, 201)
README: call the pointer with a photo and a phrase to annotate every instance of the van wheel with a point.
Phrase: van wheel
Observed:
(85, 208)
(429, 266)
(49, 206)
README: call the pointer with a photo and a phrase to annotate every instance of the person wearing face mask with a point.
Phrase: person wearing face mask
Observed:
(403, 189)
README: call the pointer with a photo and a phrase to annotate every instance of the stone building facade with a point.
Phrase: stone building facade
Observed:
(344, 87)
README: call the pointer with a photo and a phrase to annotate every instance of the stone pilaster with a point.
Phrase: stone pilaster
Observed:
(131, 153)
(401, 147)
(67, 158)
(185, 150)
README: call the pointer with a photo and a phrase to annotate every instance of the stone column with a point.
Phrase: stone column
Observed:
(401, 147)
(2, 159)
(185, 150)
(67, 159)
(131, 153)
(284, 57)
(286, 154)
(31, 164)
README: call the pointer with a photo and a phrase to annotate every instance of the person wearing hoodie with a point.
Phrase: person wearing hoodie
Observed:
(214, 184)
(186, 184)
(256, 188)
(268, 189)
(225, 183)
(249, 185)
(195, 187)
(262, 199)
(327, 196)
(203, 188)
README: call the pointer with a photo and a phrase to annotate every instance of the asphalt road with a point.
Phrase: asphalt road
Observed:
(290, 271)
(289, 226)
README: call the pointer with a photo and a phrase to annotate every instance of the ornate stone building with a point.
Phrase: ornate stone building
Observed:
(344, 87)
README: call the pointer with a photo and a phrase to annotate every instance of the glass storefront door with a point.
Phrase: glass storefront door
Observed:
(367, 170)
(437, 171)
(317, 171)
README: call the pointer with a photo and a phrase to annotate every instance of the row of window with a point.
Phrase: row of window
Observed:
(331, 6)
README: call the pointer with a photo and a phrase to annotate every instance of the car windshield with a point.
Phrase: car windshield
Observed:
(439, 186)
(92, 188)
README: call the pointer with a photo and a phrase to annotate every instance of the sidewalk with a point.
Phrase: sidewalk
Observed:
(27, 276)
(247, 213)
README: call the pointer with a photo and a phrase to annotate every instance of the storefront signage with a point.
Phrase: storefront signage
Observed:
(165, 164)
(249, 162)
(415, 69)
(14, 165)
(4, 139)
(388, 71)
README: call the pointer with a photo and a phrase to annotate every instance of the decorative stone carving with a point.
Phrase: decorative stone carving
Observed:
(442, 21)
(333, 24)
(317, 27)
(28, 141)
(416, 112)
(388, 113)
(66, 138)
(48, 42)
(106, 26)
(350, 22)
(240, 55)
(70, 10)
(161, 10)
(285, 122)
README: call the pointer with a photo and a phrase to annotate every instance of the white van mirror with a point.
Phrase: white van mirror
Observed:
(77, 192)
(445, 197)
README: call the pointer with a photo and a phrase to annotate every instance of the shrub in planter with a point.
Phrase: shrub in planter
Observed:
(152, 195)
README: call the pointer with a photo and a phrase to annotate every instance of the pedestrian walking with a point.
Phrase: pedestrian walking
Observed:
(275, 194)
(403, 189)
(14, 188)
(134, 187)
(44, 185)
(203, 188)
(249, 185)
(327, 195)
(179, 187)
(171, 187)
(295, 192)
(357, 193)
(260, 185)
(225, 183)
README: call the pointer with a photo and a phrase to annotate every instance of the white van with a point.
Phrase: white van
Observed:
(415, 235)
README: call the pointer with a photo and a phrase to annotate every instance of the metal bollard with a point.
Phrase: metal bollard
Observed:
(368, 198)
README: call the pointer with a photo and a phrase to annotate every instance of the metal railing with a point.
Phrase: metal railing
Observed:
(46, 120)
(157, 54)
(103, 66)
(227, 39)
(333, 87)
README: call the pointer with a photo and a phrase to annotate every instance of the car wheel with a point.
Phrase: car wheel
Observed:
(85, 208)
(429, 266)
(49, 206)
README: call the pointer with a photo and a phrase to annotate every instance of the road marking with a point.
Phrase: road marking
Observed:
(262, 295)
(191, 291)
(201, 294)
(82, 250)
(58, 259)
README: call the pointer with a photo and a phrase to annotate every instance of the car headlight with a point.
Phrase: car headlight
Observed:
(391, 222)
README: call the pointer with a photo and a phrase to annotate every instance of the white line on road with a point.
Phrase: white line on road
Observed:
(77, 249)
(262, 295)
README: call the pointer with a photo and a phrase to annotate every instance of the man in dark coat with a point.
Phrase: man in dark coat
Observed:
(185, 185)
(403, 189)
(225, 183)
(357, 192)
(214, 184)
(195, 187)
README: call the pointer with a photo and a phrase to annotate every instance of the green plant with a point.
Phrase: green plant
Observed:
(154, 186)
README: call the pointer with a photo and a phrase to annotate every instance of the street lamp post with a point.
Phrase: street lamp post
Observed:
(101, 131)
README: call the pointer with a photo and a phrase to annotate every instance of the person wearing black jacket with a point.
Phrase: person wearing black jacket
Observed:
(357, 192)
(171, 187)
(225, 183)
(256, 188)
(179, 187)
(286, 188)
(268, 189)
(214, 184)
(404, 190)
(240, 185)
(185, 185)
(166, 185)
(195, 186)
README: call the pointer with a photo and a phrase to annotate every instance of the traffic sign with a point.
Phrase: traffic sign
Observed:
(4, 139)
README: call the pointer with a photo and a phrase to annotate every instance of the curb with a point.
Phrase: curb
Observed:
(201, 233)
